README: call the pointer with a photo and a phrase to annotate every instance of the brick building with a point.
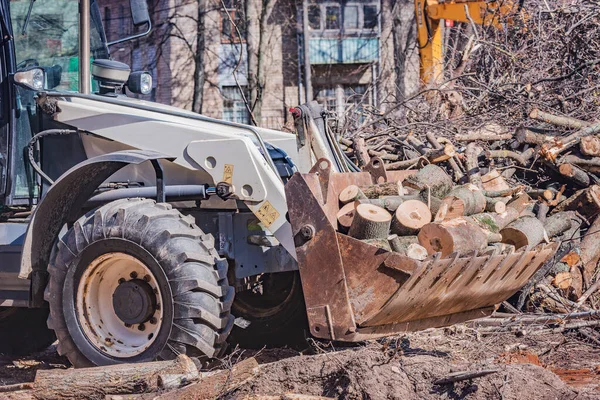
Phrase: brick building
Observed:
(350, 53)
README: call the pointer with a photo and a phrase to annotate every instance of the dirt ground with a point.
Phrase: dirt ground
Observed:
(548, 366)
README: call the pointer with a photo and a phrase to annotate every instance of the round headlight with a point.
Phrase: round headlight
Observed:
(32, 78)
(140, 82)
(146, 83)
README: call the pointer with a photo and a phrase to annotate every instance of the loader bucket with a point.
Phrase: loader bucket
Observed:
(356, 291)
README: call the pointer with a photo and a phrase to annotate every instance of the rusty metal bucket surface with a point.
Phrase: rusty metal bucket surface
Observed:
(355, 291)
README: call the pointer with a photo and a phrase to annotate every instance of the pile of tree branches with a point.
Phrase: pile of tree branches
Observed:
(520, 103)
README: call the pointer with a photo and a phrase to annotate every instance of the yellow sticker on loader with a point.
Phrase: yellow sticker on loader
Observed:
(267, 214)
(228, 173)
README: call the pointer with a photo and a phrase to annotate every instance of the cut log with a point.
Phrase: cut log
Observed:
(494, 205)
(542, 211)
(433, 178)
(468, 197)
(350, 194)
(520, 203)
(579, 176)
(590, 251)
(562, 280)
(438, 155)
(400, 244)
(503, 193)
(495, 222)
(345, 216)
(455, 235)
(382, 189)
(567, 122)
(551, 150)
(489, 132)
(370, 222)
(409, 217)
(524, 135)
(521, 158)
(557, 224)
(217, 384)
(472, 162)
(586, 202)
(360, 152)
(499, 248)
(524, 232)
(493, 181)
(97, 382)
(590, 146)
(416, 252)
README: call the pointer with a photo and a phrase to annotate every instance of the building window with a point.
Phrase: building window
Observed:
(229, 33)
(351, 17)
(234, 108)
(343, 97)
(369, 17)
(332, 17)
(314, 17)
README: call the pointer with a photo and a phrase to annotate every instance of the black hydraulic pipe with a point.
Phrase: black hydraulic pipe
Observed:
(172, 193)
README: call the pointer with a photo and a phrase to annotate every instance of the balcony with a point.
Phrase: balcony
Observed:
(343, 51)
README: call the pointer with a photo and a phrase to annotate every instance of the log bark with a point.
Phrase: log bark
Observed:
(576, 174)
(557, 224)
(490, 133)
(370, 222)
(573, 159)
(567, 122)
(452, 162)
(551, 150)
(382, 189)
(590, 146)
(525, 136)
(493, 204)
(381, 243)
(590, 251)
(217, 384)
(468, 198)
(586, 202)
(472, 161)
(97, 382)
(345, 216)
(360, 152)
(524, 232)
(495, 222)
(409, 217)
(520, 203)
(542, 211)
(400, 244)
(455, 235)
(521, 158)
(433, 178)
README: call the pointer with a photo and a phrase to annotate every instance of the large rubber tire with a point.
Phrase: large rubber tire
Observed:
(196, 297)
(277, 316)
(23, 331)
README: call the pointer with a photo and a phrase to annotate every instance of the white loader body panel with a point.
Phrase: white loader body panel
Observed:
(205, 151)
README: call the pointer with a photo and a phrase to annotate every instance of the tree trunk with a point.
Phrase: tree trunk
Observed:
(400, 244)
(577, 175)
(97, 382)
(199, 76)
(467, 198)
(586, 202)
(557, 224)
(590, 250)
(590, 146)
(350, 194)
(345, 216)
(370, 222)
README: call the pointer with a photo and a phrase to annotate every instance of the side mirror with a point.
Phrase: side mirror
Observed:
(139, 12)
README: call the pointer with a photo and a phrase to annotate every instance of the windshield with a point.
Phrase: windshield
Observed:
(50, 39)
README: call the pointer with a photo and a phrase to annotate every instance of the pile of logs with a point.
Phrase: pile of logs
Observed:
(427, 213)
(489, 190)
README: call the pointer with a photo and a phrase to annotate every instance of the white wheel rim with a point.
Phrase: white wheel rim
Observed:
(95, 311)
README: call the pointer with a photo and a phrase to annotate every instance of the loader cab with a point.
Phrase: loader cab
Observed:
(40, 51)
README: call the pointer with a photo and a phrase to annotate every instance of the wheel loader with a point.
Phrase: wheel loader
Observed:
(134, 231)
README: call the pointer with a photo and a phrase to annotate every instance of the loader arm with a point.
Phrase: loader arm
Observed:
(429, 14)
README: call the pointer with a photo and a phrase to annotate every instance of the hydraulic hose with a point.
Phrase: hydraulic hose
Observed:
(31, 149)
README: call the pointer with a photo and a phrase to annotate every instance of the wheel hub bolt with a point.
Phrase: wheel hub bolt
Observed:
(153, 321)
(141, 327)
(127, 325)
(147, 278)
(133, 275)
(121, 280)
